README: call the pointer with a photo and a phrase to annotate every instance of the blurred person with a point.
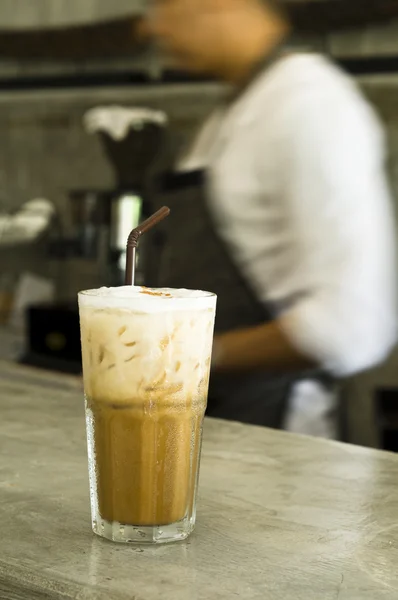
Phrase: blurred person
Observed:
(281, 207)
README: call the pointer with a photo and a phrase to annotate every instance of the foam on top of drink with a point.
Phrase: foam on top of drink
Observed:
(147, 346)
(142, 299)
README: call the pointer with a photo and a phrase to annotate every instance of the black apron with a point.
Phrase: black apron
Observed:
(190, 254)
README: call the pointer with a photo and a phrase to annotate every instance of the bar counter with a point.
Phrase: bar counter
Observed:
(280, 517)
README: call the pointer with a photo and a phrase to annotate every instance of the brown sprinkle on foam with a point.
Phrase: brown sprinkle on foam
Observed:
(121, 331)
(148, 292)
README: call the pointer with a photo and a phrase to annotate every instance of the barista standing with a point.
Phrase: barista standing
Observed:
(281, 208)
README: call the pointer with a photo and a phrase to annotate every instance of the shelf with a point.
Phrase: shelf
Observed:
(40, 14)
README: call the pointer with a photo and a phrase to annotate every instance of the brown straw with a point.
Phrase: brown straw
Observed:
(134, 237)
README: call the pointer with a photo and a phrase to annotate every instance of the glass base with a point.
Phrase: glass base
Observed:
(131, 534)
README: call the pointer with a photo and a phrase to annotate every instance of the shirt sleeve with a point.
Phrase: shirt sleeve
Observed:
(342, 226)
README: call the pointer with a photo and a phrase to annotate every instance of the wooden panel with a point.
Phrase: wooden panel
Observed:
(323, 15)
(120, 37)
(123, 37)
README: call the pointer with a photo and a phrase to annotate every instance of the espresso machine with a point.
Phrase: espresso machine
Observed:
(133, 140)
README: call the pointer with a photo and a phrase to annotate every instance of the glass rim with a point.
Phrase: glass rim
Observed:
(93, 293)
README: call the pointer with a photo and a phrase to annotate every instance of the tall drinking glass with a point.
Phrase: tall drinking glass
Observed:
(146, 364)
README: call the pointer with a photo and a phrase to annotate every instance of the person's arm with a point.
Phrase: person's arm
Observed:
(264, 347)
(337, 198)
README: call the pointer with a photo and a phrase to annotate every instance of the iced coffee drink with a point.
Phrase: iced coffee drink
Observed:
(146, 363)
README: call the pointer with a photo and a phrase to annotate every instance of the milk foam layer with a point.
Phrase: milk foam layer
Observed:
(143, 299)
(144, 348)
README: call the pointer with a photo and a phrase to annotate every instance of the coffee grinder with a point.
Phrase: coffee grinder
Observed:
(133, 139)
(102, 219)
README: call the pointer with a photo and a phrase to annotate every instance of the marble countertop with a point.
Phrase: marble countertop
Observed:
(280, 517)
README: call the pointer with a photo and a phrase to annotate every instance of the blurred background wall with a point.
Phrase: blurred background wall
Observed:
(59, 58)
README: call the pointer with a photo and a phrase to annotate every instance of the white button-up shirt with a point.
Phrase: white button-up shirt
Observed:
(299, 194)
